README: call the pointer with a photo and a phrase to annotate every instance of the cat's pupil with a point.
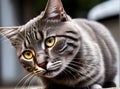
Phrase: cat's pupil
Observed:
(50, 40)
(28, 53)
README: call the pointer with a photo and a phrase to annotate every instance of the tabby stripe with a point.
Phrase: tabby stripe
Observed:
(63, 49)
(41, 34)
(72, 44)
(35, 33)
(70, 37)
(28, 39)
(25, 44)
(94, 74)
(71, 32)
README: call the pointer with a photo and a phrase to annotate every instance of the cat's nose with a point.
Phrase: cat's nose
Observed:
(43, 65)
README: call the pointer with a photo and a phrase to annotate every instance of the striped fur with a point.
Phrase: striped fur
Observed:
(84, 53)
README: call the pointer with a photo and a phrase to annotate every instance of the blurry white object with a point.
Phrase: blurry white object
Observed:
(104, 10)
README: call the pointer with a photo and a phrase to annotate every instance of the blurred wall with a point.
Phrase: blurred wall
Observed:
(8, 60)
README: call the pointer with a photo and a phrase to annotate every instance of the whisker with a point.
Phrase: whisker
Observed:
(79, 63)
(70, 73)
(73, 69)
(31, 81)
(22, 80)
(82, 73)
(83, 64)
(27, 80)
(76, 64)
(66, 74)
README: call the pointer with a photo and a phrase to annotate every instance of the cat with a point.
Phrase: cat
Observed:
(65, 53)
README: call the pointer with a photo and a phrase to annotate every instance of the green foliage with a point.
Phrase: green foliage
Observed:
(88, 4)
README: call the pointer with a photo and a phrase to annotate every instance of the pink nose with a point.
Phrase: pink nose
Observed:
(42, 65)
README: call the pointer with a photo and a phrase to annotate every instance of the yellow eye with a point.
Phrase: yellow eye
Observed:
(50, 41)
(28, 54)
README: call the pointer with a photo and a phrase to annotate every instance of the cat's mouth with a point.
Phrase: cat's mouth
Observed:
(51, 70)
(51, 73)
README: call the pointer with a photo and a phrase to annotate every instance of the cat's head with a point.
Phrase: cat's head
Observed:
(48, 43)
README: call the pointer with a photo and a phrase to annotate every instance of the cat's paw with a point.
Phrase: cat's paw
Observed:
(96, 86)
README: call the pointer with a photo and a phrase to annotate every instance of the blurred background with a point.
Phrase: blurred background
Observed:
(18, 12)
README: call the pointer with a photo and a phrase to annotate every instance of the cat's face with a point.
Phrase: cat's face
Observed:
(47, 44)
(47, 50)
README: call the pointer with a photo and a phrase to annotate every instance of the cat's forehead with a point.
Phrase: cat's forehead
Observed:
(52, 19)
(38, 24)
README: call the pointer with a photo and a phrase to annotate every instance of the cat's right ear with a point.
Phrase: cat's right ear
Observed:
(12, 34)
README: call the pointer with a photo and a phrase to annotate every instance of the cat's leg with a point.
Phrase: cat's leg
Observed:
(96, 86)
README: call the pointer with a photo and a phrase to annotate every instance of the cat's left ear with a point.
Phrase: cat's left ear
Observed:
(11, 33)
(54, 11)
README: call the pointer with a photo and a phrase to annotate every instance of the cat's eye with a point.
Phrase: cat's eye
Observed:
(49, 42)
(28, 54)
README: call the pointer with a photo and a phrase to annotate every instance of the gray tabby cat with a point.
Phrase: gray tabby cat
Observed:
(65, 53)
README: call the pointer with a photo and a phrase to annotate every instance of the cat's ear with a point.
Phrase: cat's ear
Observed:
(11, 33)
(55, 11)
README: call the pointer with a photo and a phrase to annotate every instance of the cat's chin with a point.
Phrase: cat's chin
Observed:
(51, 74)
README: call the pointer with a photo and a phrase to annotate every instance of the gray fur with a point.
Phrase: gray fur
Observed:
(83, 56)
